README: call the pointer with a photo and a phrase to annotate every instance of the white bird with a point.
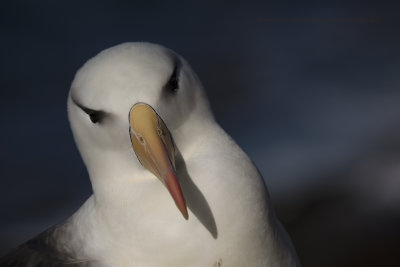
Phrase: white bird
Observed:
(154, 152)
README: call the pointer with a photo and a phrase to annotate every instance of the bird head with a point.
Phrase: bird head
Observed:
(131, 108)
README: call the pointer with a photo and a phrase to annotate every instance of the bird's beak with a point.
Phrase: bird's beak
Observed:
(155, 149)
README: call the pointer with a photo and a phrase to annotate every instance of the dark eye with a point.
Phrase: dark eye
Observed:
(173, 83)
(95, 116)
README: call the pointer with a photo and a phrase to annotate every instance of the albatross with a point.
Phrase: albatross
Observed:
(170, 187)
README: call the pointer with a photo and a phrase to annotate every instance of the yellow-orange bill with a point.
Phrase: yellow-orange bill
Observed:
(155, 149)
(171, 181)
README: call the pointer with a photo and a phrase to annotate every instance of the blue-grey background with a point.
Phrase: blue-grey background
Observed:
(311, 93)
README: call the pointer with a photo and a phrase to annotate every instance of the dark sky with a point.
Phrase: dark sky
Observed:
(307, 90)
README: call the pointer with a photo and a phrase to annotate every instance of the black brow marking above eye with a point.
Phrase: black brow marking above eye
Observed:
(94, 115)
(172, 84)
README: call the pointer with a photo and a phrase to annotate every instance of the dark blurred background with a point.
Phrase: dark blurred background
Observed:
(321, 83)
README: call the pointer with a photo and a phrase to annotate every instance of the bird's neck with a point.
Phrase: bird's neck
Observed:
(137, 213)
(130, 205)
